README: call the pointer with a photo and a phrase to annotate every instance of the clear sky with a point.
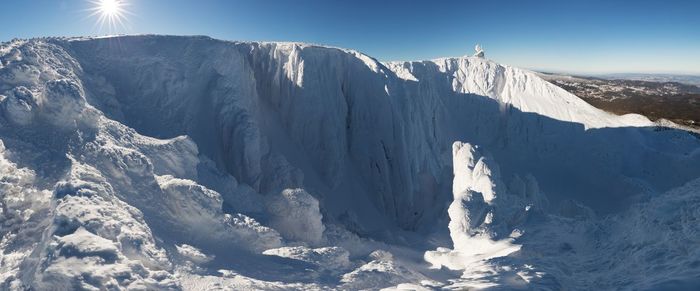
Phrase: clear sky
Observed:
(573, 36)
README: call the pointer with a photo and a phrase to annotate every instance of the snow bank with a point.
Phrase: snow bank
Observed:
(331, 258)
(382, 271)
(193, 254)
(23, 209)
(99, 241)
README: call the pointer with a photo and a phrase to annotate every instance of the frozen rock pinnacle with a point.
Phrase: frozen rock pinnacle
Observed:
(478, 51)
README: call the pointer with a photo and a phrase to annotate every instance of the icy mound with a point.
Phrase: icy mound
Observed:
(155, 162)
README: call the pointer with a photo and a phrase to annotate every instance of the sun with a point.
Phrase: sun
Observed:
(109, 13)
(110, 7)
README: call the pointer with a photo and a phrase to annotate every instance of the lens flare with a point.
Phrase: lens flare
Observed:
(111, 14)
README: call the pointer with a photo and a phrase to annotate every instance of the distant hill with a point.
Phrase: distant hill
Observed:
(685, 79)
(672, 97)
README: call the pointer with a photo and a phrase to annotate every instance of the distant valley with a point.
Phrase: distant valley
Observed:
(676, 98)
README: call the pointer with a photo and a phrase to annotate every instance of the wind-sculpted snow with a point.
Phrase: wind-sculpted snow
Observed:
(295, 213)
(158, 162)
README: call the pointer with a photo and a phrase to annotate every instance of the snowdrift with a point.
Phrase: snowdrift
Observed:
(162, 162)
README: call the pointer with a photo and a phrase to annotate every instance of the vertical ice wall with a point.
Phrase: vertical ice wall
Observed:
(356, 132)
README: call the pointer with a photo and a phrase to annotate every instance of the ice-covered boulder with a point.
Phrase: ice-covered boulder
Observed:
(296, 215)
(63, 101)
(478, 213)
(19, 105)
(475, 187)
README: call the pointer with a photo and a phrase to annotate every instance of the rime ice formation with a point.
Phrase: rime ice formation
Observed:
(478, 51)
(163, 162)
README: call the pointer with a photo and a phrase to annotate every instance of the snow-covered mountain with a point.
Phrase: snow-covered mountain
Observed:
(161, 162)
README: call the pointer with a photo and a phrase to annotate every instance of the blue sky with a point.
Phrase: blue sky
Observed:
(573, 36)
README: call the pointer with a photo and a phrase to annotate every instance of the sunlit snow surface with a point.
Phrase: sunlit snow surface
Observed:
(159, 162)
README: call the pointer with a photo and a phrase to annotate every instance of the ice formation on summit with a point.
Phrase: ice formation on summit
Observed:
(478, 51)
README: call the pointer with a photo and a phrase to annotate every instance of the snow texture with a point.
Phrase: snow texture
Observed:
(164, 162)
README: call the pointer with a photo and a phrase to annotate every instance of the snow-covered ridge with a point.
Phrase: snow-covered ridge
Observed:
(519, 88)
(174, 157)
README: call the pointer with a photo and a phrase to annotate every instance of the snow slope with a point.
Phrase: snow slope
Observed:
(163, 162)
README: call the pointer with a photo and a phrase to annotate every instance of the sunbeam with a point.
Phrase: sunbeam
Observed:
(111, 14)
